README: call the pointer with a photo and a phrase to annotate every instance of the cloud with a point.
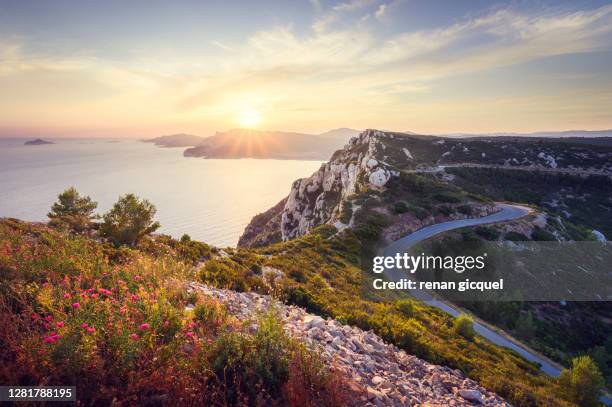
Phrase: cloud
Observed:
(352, 5)
(380, 12)
(344, 66)
(222, 46)
(316, 4)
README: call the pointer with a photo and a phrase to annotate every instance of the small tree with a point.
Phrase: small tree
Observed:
(582, 382)
(464, 326)
(129, 220)
(73, 211)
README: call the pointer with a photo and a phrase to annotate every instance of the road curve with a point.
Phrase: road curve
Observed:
(506, 213)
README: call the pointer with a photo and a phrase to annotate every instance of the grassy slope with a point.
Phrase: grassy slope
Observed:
(113, 323)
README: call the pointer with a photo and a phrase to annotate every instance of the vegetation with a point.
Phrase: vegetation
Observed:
(113, 322)
(464, 326)
(323, 274)
(72, 211)
(582, 382)
(129, 220)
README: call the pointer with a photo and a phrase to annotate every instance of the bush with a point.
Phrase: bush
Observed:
(447, 197)
(540, 234)
(582, 382)
(464, 326)
(516, 237)
(72, 210)
(405, 307)
(400, 207)
(487, 233)
(129, 220)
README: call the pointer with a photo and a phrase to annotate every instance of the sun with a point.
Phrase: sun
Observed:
(249, 118)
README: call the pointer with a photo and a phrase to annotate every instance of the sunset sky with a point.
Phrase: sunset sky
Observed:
(145, 68)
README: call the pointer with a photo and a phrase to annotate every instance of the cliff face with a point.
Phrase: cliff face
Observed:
(319, 199)
(416, 180)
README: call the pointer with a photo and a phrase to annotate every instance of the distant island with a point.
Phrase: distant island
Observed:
(176, 140)
(246, 143)
(37, 142)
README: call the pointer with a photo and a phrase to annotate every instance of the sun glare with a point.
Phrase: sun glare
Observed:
(249, 118)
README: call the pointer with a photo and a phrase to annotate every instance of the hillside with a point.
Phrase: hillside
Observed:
(138, 322)
(383, 186)
(176, 140)
(245, 143)
(398, 166)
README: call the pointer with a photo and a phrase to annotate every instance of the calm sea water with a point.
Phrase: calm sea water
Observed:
(211, 200)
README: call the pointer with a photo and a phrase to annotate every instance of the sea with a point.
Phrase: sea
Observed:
(211, 200)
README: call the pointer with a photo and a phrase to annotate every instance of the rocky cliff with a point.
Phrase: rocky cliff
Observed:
(319, 199)
(415, 180)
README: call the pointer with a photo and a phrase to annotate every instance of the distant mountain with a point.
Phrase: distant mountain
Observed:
(547, 134)
(244, 143)
(176, 140)
(343, 134)
(37, 142)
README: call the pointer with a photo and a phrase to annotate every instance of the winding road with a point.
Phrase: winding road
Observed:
(506, 213)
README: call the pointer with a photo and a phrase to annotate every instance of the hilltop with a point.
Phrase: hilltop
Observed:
(176, 140)
(37, 142)
(384, 185)
(245, 143)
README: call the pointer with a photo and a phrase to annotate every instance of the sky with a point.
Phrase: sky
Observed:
(145, 68)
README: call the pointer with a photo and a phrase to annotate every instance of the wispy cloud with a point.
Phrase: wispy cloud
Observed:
(352, 5)
(343, 65)
(221, 45)
(380, 12)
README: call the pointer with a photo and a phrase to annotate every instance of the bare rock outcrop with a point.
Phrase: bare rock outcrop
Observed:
(390, 376)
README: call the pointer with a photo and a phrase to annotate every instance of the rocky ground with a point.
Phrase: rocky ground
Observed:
(387, 375)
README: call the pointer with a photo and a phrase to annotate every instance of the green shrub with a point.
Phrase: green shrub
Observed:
(487, 232)
(400, 207)
(582, 382)
(129, 220)
(516, 237)
(464, 326)
(406, 307)
(540, 234)
(447, 197)
(73, 211)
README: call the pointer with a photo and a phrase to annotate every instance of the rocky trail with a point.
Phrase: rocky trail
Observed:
(387, 375)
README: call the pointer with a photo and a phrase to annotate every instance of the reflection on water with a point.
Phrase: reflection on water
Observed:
(211, 200)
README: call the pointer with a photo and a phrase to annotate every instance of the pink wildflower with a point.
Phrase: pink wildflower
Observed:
(76, 305)
(144, 327)
(134, 336)
(91, 329)
(66, 295)
(60, 324)
(85, 325)
(51, 338)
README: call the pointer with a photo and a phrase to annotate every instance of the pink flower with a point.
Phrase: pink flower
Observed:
(51, 338)
(136, 277)
(76, 305)
(134, 297)
(134, 336)
(91, 329)
(190, 334)
(60, 324)
(49, 318)
(144, 326)
(95, 296)
(166, 323)
(66, 295)
(85, 325)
